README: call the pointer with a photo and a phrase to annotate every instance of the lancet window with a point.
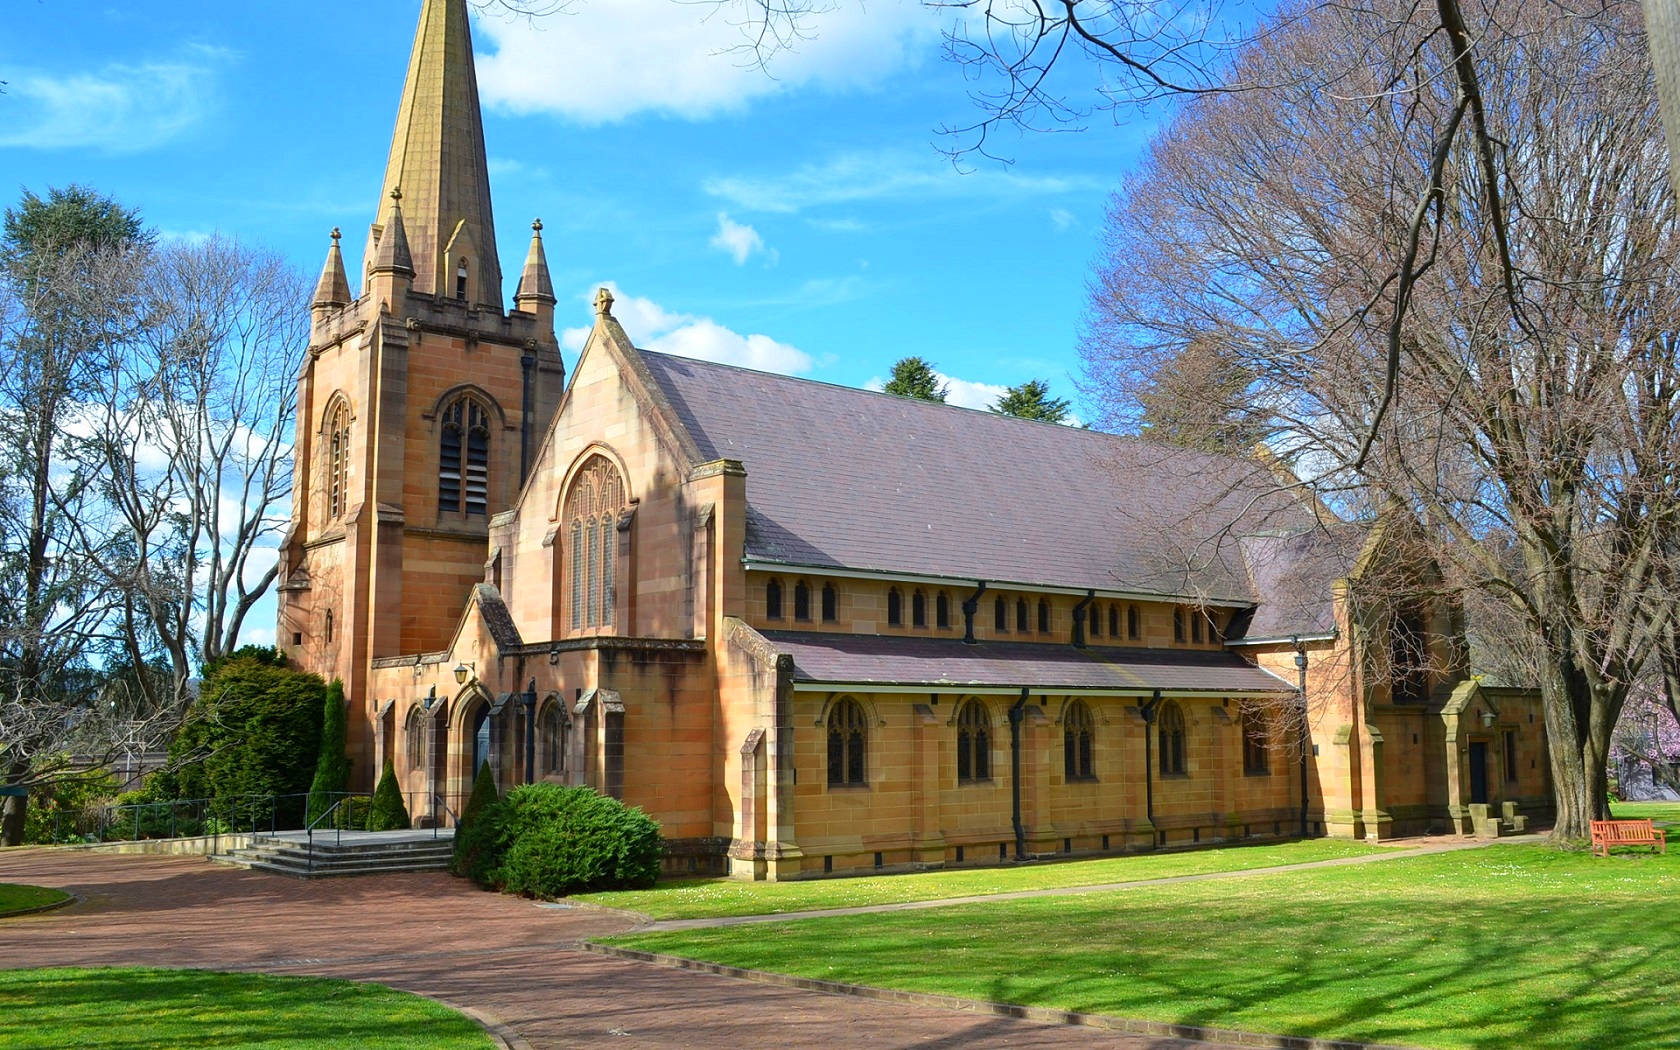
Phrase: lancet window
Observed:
(592, 511)
(974, 743)
(1078, 753)
(337, 431)
(1170, 736)
(848, 737)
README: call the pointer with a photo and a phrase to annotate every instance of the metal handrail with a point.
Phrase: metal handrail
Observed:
(338, 827)
(456, 817)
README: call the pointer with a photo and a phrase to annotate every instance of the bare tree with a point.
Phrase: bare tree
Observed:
(1529, 423)
(194, 444)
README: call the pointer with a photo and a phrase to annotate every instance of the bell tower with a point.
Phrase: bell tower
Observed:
(421, 398)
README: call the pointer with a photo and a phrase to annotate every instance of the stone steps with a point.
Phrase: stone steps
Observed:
(356, 853)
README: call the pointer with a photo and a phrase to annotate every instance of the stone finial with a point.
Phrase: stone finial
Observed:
(393, 255)
(536, 289)
(333, 289)
(337, 235)
(603, 303)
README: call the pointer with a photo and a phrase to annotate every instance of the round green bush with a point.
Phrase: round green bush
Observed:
(544, 840)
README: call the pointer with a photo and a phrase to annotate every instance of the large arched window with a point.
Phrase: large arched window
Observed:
(1256, 743)
(848, 737)
(464, 459)
(1078, 752)
(1169, 728)
(337, 445)
(592, 510)
(974, 743)
(551, 740)
(415, 732)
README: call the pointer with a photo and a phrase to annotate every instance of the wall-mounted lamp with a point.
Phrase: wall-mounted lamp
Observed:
(1488, 719)
(463, 671)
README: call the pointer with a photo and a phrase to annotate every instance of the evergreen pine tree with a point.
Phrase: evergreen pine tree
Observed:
(1032, 400)
(332, 769)
(915, 377)
(388, 812)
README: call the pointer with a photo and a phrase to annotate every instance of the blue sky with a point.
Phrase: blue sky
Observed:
(803, 222)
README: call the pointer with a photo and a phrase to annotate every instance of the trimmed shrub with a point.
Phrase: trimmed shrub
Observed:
(544, 840)
(388, 813)
(332, 769)
(254, 731)
(483, 796)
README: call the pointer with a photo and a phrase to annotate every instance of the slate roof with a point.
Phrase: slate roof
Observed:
(1294, 574)
(845, 478)
(872, 660)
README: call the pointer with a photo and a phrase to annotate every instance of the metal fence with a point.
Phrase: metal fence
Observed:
(235, 815)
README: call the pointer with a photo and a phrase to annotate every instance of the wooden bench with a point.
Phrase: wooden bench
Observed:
(1607, 833)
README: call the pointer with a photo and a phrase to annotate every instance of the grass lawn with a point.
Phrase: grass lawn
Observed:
(1507, 946)
(108, 1009)
(710, 898)
(27, 898)
(1669, 811)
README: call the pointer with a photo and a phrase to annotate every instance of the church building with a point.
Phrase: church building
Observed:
(813, 629)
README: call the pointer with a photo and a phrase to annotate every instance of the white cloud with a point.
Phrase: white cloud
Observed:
(1062, 219)
(738, 240)
(119, 109)
(652, 327)
(882, 175)
(964, 393)
(604, 61)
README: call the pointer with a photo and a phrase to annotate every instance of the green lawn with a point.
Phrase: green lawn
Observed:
(1669, 811)
(111, 1009)
(710, 898)
(1507, 946)
(27, 898)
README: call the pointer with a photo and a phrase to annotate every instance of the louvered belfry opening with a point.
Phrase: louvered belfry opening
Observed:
(464, 460)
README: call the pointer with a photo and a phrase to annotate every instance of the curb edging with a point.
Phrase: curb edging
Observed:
(498, 1030)
(1039, 1014)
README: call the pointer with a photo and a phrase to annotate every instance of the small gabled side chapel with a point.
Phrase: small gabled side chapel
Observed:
(813, 629)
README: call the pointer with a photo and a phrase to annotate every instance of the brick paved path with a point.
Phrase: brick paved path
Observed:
(438, 936)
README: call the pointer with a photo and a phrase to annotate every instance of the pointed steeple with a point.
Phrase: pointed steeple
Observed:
(536, 289)
(334, 287)
(438, 159)
(394, 255)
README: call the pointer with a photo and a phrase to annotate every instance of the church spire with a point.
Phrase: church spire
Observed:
(334, 287)
(438, 160)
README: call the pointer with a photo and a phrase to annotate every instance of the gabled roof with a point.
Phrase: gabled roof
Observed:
(1294, 575)
(934, 663)
(852, 479)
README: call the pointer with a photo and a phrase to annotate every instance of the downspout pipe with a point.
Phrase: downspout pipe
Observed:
(971, 607)
(1017, 715)
(530, 699)
(1301, 677)
(1079, 618)
(527, 409)
(1149, 710)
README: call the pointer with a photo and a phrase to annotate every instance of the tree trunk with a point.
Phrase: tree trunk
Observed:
(13, 812)
(1579, 747)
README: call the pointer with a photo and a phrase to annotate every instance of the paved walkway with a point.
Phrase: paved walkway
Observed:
(1424, 846)
(431, 934)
